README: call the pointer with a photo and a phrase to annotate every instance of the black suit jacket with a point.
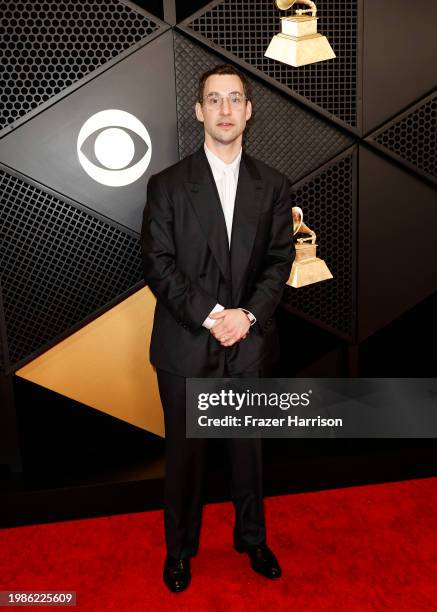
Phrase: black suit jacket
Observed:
(188, 266)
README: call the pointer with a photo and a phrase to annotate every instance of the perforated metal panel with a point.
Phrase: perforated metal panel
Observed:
(47, 46)
(58, 264)
(328, 203)
(412, 137)
(280, 133)
(3, 346)
(245, 29)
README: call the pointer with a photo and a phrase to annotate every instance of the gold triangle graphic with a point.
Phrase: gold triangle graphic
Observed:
(106, 365)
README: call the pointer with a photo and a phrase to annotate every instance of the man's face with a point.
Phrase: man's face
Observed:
(224, 123)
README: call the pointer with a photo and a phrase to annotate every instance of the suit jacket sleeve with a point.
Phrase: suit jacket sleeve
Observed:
(187, 302)
(279, 256)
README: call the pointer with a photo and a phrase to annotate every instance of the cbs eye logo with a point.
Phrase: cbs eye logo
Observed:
(117, 136)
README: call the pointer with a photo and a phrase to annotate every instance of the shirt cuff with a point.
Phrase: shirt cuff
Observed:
(208, 323)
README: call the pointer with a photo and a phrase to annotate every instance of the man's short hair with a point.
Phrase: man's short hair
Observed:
(223, 69)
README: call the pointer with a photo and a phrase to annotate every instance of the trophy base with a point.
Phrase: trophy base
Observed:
(308, 272)
(301, 51)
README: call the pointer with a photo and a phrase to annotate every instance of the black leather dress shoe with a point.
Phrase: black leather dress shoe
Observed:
(177, 574)
(262, 560)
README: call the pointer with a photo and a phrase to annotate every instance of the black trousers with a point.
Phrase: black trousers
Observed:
(186, 460)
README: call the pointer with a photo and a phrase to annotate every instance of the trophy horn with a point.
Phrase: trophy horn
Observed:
(284, 5)
(297, 217)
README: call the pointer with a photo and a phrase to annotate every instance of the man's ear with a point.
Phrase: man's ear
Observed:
(248, 110)
(199, 112)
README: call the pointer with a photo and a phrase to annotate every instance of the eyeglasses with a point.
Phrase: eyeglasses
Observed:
(215, 100)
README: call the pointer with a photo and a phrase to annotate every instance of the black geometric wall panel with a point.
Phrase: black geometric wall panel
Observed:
(244, 30)
(47, 46)
(281, 133)
(328, 200)
(4, 360)
(412, 137)
(397, 258)
(58, 264)
(399, 48)
(45, 148)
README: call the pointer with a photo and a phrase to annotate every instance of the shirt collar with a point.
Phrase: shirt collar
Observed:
(219, 164)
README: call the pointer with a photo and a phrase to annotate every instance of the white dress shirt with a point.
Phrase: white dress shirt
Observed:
(226, 180)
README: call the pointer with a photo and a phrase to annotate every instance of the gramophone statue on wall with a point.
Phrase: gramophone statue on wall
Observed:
(307, 267)
(299, 43)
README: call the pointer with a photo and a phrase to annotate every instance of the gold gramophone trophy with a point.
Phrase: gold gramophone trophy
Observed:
(299, 43)
(307, 267)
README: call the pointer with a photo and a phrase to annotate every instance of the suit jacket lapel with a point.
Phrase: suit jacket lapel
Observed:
(207, 206)
(245, 221)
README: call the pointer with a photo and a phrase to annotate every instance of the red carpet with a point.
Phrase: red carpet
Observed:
(362, 548)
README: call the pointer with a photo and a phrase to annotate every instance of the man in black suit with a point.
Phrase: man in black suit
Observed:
(217, 251)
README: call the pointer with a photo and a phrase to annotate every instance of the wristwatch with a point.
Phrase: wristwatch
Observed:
(249, 315)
